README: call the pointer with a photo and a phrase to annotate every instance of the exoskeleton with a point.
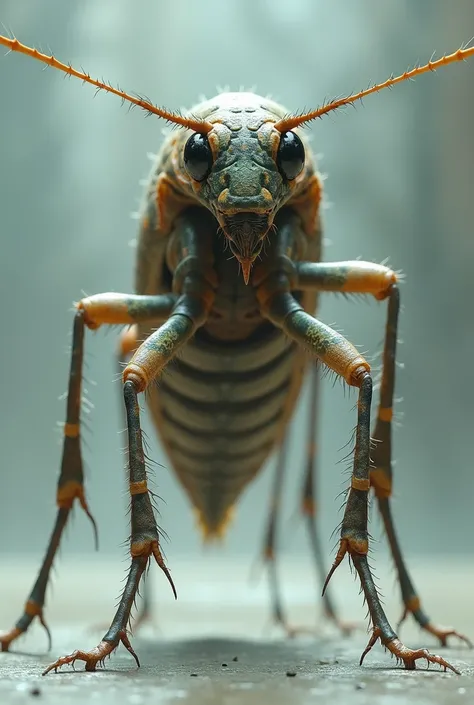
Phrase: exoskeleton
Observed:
(228, 273)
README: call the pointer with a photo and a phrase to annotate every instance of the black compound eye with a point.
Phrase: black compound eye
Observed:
(290, 156)
(198, 157)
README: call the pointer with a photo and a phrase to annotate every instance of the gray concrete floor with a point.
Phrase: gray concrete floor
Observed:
(221, 616)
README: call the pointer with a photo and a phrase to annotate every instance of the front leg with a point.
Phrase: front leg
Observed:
(339, 355)
(380, 281)
(91, 312)
(144, 542)
(189, 311)
(147, 362)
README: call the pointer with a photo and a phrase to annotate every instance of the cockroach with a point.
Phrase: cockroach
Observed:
(236, 175)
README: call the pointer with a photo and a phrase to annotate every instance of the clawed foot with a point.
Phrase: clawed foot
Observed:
(409, 657)
(440, 632)
(32, 610)
(95, 657)
(8, 638)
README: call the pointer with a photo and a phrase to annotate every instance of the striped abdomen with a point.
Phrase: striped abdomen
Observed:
(219, 407)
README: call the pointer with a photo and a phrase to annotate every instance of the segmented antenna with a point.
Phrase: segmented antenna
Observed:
(201, 126)
(292, 121)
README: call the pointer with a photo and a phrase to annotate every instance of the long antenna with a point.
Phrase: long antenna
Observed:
(292, 121)
(201, 126)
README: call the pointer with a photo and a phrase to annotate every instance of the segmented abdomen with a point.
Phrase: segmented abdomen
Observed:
(218, 410)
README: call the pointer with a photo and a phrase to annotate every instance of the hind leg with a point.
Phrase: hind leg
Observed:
(308, 509)
(270, 543)
(70, 489)
(381, 481)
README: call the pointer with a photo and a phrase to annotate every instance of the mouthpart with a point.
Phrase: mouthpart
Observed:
(246, 233)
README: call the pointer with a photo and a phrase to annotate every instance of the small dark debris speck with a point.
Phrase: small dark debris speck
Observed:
(290, 674)
(193, 675)
(236, 658)
(224, 665)
(35, 692)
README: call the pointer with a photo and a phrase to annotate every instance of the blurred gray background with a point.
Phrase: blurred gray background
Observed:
(399, 185)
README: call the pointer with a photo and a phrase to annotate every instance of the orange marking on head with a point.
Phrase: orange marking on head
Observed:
(269, 137)
(265, 193)
(214, 143)
(223, 196)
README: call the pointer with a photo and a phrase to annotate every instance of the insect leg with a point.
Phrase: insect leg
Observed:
(71, 479)
(269, 547)
(128, 344)
(308, 510)
(381, 478)
(339, 355)
(154, 353)
(309, 505)
(70, 487)
(369, 278)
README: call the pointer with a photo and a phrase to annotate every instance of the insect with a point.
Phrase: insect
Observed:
(228, 275)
